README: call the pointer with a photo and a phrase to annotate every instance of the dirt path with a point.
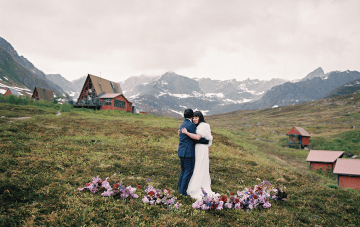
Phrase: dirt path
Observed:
(22, 118)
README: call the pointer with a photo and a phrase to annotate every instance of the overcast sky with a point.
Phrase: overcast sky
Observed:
(223, 39)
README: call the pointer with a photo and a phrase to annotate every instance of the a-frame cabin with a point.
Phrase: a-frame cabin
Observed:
(42, 94)
(94, 88)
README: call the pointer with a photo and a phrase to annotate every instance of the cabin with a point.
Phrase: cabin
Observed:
(115, 101)
(325, 160)
(298, 138)
(42, 94)
(348, 173)
(101, 94)
(11, 91)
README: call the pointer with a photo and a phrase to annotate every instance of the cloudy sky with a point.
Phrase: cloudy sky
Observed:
(222, 39)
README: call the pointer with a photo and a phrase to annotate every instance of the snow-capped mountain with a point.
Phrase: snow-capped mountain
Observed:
(170, 93)
(303, 91)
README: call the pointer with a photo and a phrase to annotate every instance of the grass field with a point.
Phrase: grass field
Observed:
(45, 158)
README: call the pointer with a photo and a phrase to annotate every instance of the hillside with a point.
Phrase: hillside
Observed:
(18, 72)
(345, 89)
(45, 158)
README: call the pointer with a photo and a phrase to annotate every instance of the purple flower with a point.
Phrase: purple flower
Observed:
(228, 205)
(204, 207)
(145, 199)
(177, 205)
(267, 205)
(107, 193)
(237, 206)
(267, 183)
(135, 196)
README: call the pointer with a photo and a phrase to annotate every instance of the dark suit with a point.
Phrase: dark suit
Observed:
(186, 153)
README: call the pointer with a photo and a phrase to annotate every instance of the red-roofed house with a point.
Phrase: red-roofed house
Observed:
(115, 101)
(101, 94)
(348, 171)
(11, 91)
(298, 137)
(325, 160)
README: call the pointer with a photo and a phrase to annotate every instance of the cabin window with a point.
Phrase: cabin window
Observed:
(107, 102)
(130, 105)
(120, 104)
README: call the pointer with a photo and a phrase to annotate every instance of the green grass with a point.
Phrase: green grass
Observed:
(45, 158)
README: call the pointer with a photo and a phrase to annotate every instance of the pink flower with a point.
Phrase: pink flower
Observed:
(135, 196)
(145, 199)
(267, 205)
(204, 207)
(228, 205)
(107, 193)
(177, 205)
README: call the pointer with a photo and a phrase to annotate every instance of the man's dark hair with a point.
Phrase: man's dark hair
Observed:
(188, 113)
(200, 115)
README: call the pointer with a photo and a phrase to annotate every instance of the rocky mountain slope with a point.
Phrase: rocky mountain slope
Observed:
(17, 71)
(345, 89)
(303, 91)
(170, 93)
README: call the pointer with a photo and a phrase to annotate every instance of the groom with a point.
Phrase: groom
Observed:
(186, 151)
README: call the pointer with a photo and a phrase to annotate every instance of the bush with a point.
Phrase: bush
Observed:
(17, 100)
(66, 107)
(43, 103)
(332, 186)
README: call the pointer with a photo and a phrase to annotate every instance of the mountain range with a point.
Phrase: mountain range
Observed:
(170, 93)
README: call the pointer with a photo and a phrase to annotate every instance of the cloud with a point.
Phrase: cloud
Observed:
(220, 39)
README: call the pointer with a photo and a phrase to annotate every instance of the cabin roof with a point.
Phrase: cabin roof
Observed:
(111, 96)
(301, 131)
(44, 93)
(14, 92)
(347, 166)
(324, 156)
(105, 86)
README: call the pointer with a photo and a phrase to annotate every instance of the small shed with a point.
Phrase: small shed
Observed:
(325, 160)
(298, 138)
(42, 94)
(11, 91)
(348, 172)
(115, 101)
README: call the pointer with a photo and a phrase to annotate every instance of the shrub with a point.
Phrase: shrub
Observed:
(66, 107)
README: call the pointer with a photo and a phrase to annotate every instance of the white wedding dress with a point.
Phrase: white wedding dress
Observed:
(201, 176)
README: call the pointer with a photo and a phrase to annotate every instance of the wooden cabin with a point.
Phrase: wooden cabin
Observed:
(298, 138)
(325, 160)
(115, 101)
(93, 91)
(42, 94)
(11, 91)
(348, 172)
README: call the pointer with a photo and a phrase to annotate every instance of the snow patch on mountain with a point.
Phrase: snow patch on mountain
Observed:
(218, 95)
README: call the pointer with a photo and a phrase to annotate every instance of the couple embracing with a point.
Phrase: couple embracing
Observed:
(195, 139)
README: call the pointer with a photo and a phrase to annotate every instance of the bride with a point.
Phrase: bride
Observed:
(201, 176)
